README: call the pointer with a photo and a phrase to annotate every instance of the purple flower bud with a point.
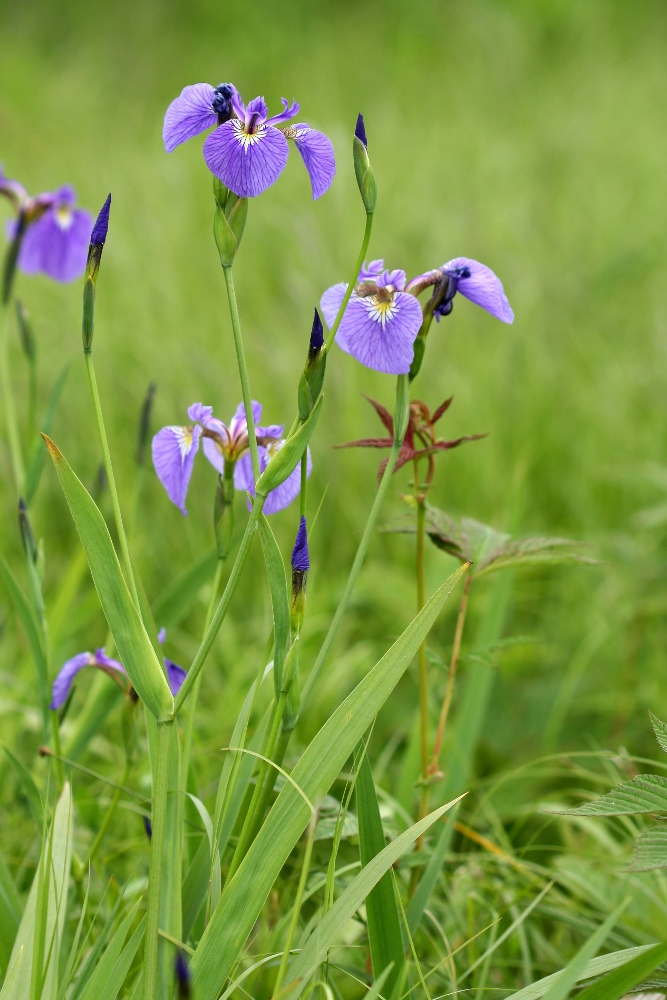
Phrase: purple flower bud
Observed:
(99, 233)
(360, 130)
(222, 102)
(182, 976)
(148, 827)
(300, 560)
(316, 336)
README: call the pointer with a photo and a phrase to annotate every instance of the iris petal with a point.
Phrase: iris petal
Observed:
(63, 682)
(330, 304)
(57, 244)
(188, 115)
(318, 155)
(246, 164)
(380, 334)
(483, 287)
(174, 449)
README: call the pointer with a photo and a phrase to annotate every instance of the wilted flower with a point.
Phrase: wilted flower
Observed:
(383, 317)
(175, 447)
(420, 439)
(248, 150)
(65, 678)
(53, 234)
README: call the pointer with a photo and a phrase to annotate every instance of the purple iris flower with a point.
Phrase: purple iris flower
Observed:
(55, 234)
(473, 280)
(383, 317)
(381, 321)
(247, 150)
(300, 557)
(174, 450)
(65, 678)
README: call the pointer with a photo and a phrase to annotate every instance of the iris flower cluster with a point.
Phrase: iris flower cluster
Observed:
(53, 233)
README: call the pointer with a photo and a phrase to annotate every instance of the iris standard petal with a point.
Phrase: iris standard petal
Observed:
(380, 334)
(239, 422)
(202, 414)
(174, 449)
(175, 676)
(63, 682)
(213, 454)
(246, 164)
(57, 244)
(317, 153)
(483, 287)
(330, 304)
(188, 115)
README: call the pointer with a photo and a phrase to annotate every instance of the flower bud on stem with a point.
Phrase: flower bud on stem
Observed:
(362, 167)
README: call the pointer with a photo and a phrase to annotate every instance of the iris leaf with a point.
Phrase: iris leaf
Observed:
(275, 569)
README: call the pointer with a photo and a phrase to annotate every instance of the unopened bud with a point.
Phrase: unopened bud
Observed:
(300, 567)
(229, 221)
(362, 167)
(312, 377)
(97, 241)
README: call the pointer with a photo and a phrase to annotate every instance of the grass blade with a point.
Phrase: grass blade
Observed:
(429, 879)
(382, 916)
(596, 967)
(275, 569)
(10, 915)
(30, 626)
(566, 979)
(243, 898)
(616, 984)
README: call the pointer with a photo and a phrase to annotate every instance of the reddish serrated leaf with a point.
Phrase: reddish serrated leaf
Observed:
(367, 443)
(383, 413)
(441, 409)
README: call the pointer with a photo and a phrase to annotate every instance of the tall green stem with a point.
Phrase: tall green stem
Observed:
(400, 423)
(353, 280)
(422, 664)
(106, 455)
(158, 816)
(13, 438)
(243, 371)
(223, 606)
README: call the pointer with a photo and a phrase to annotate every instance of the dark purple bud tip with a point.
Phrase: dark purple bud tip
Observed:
(300, 560)
(316, 335)
(222, 102)
(148, 827)
(360, 130)
(182, 975)
(99, 233)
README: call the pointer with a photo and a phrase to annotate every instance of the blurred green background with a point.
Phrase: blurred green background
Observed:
(529, 134)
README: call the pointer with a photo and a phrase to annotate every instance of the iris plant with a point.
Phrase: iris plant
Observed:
(383, 317)
(53, 234)
(248, 149)
(175, 447)
(114, 668)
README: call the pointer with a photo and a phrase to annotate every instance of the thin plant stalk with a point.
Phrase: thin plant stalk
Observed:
(400, 422)
(223, 605)
(304, 483)
(353, 280)
(158, 817)
(245, 835)
(296, 909)
(451, 677)
(109, 813)
(11, 422)
(243, 371)
(106, 455)
(422, 665)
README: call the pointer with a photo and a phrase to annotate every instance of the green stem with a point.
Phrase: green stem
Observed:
(244, 836)
(400, 423)
(109, 814)
(353, 280)
(304, 481)
(189, 713)
(158, 817)
(223, 606)
(422, 664)
(294, 920)
(13, 438)
(111, 480)
(243, 371)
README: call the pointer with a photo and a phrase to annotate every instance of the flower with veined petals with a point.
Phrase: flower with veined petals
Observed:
(54, 235)
(382, 318)
(174, 450)
(65, 677)
(247, 150)
(475, 281)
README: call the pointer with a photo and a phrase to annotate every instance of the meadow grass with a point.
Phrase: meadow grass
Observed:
(528, 135)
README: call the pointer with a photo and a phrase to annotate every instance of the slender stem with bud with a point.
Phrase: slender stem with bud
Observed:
(353, 280)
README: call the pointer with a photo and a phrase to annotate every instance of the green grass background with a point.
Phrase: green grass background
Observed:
(526, 133)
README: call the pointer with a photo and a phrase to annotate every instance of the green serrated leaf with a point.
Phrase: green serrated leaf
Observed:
(244, 896)
(132, 642)
(647, 793)
(650, 850)
(660, 730)
(382, 915)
